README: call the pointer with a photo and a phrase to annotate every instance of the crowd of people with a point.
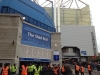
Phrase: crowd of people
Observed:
(36, 69)
(90, 66)
(46, 69)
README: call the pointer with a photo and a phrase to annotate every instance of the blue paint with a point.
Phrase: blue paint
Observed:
(34, 59)
(35, 37)
(30, 9)
(84, 52)
(56, 57)
(1, 2)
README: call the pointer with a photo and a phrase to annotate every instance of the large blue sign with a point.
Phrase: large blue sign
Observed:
(35, 37)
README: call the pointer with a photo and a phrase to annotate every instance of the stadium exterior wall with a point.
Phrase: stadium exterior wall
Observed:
(81, 37)
(11, 36)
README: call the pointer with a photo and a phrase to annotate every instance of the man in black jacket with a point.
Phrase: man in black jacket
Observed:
(68, 70)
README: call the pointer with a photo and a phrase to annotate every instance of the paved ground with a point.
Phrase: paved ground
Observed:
(86, 72)
(80, 73)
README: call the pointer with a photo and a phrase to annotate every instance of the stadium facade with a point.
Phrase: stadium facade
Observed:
(78, 39)
(26, 33)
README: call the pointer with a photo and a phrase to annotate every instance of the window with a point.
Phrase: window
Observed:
(46, 27)
(38, 23)
(12, 11)
(66, 50)
(74, 51)
(31, 20)
(26, 18)
(34, 22)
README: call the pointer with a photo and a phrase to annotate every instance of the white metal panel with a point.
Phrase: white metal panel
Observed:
(78, 36)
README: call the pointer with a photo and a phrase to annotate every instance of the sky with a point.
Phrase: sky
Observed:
(95, 13)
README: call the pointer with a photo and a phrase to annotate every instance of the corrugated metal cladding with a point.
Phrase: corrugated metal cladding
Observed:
(32, 12)
(79, 36)
(33, 52)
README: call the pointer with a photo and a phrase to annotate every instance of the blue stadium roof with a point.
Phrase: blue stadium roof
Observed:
(30, 10)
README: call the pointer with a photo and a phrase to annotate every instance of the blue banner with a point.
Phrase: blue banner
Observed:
(35, 37)
(34, 59)
(83, 52)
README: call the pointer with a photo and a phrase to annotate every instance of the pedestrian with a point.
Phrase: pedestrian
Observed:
(68, 70)
(24, 69)
(13, 69)
(82, 70)
(5, 70)
(89, 68)
(30, 69)
(62, 70)
(77, 69)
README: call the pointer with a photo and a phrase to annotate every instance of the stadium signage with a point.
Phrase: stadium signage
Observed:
(35, 37)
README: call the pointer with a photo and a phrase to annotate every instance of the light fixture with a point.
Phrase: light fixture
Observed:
(23, 18)
(55, 44)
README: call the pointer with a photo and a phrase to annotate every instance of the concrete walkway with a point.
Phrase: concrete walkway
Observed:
(80, 73)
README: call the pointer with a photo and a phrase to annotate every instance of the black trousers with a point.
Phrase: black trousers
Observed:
(30, 73)
(12, 73)
(82, 73)
(76, 72)
(89, 72)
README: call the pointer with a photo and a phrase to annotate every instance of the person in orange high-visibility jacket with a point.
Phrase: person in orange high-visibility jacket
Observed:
(82, 70)
(63, 70)
(89, 69)
(77, 68)
(24, 70)
(56, 71)
(5, 70)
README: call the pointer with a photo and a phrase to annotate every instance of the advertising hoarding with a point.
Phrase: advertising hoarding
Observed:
(35, 37)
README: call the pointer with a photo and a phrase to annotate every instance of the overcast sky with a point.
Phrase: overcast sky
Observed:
(95, 13)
